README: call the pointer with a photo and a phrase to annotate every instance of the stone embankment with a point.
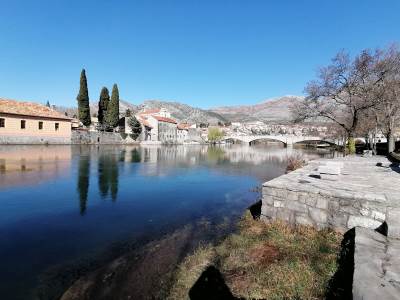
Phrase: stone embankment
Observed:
(105, 138)
(340, 194)
(359, 194)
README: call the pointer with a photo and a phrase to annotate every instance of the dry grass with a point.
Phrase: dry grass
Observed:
(266, 261)
(294, 162)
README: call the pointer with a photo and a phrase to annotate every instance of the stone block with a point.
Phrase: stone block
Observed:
(303, 197)
(292, 196)
(333, 205)
(268, 211)
(362, 222)
(311, 200)
(296, 206)
(284, 214)
(318, 215)
(322, 203)
(268, 200)
(338, 220)
(303, 220)
(393, 221)
(364, 212)
(377, 215)
(278, 203)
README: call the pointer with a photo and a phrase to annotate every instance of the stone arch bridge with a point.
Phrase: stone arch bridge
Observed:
(287, 140)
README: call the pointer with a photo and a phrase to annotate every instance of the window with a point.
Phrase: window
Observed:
(2, 122)
(23, 124)
(40, 125)
(56, 126)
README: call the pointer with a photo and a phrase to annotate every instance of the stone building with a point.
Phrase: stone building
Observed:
(32, 123)
(157, 126)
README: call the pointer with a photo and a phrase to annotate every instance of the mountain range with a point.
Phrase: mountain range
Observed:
(269, 110)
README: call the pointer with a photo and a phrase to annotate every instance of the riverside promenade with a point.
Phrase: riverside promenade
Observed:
(353, 194)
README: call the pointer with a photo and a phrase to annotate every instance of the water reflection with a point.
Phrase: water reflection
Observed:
(62, 203)
(30, 165)
(83, 182)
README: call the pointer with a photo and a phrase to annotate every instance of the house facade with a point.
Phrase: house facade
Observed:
(32, 123)
(157, 126)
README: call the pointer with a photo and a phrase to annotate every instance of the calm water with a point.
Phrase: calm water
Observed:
(62, 204)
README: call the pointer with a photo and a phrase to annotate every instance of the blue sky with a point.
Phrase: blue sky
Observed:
(203, 53)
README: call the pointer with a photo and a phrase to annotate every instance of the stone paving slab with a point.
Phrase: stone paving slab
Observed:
(376, 266)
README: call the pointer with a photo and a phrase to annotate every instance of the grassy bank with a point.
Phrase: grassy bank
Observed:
(265, 261)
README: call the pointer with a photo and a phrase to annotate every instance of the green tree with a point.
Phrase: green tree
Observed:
(136, 127)
(128, 113)
(112, 116)
(214, 134)
(48, 103)
(103, 104)
(83, 100)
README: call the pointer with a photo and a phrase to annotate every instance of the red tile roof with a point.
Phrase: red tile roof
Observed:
(150, 111)
(14, 107)
(144, 122)
(164, 119)
(183, 126)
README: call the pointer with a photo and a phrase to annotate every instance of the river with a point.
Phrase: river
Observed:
(64, 206)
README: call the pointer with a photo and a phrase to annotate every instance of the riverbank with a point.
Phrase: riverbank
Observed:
(260, 261)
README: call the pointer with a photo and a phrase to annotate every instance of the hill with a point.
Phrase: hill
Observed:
(270, 110)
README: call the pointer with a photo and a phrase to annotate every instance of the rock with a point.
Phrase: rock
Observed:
(362, 222)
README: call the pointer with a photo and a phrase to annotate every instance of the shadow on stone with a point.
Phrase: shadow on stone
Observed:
(340, 286)
(383, 229)
(255, 210)
(211, 286)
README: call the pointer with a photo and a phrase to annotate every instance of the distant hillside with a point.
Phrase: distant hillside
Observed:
(185, 113)
(94, 108)
(270, 110)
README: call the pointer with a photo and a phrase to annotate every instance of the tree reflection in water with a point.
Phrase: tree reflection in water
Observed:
(83, 181)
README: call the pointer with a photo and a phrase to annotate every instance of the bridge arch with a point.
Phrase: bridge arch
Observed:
(306, 141)
(271, 139)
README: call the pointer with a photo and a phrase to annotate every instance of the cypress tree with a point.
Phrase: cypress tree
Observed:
(112, 116)
(48, 103)
(83, 100)
(103, 104)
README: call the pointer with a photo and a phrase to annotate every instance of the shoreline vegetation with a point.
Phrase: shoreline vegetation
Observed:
(265, 261)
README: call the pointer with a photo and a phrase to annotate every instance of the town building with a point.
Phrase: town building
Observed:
(182, 132)
(32, 123)
(157, 126)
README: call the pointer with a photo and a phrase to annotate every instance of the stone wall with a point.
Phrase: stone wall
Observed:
(309, 208)
(91, 137)
(33, 140)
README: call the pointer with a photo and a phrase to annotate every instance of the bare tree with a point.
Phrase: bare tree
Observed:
(387, 93)
(342, 92)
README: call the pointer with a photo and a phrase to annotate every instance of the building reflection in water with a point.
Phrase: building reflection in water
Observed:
(22, 165)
